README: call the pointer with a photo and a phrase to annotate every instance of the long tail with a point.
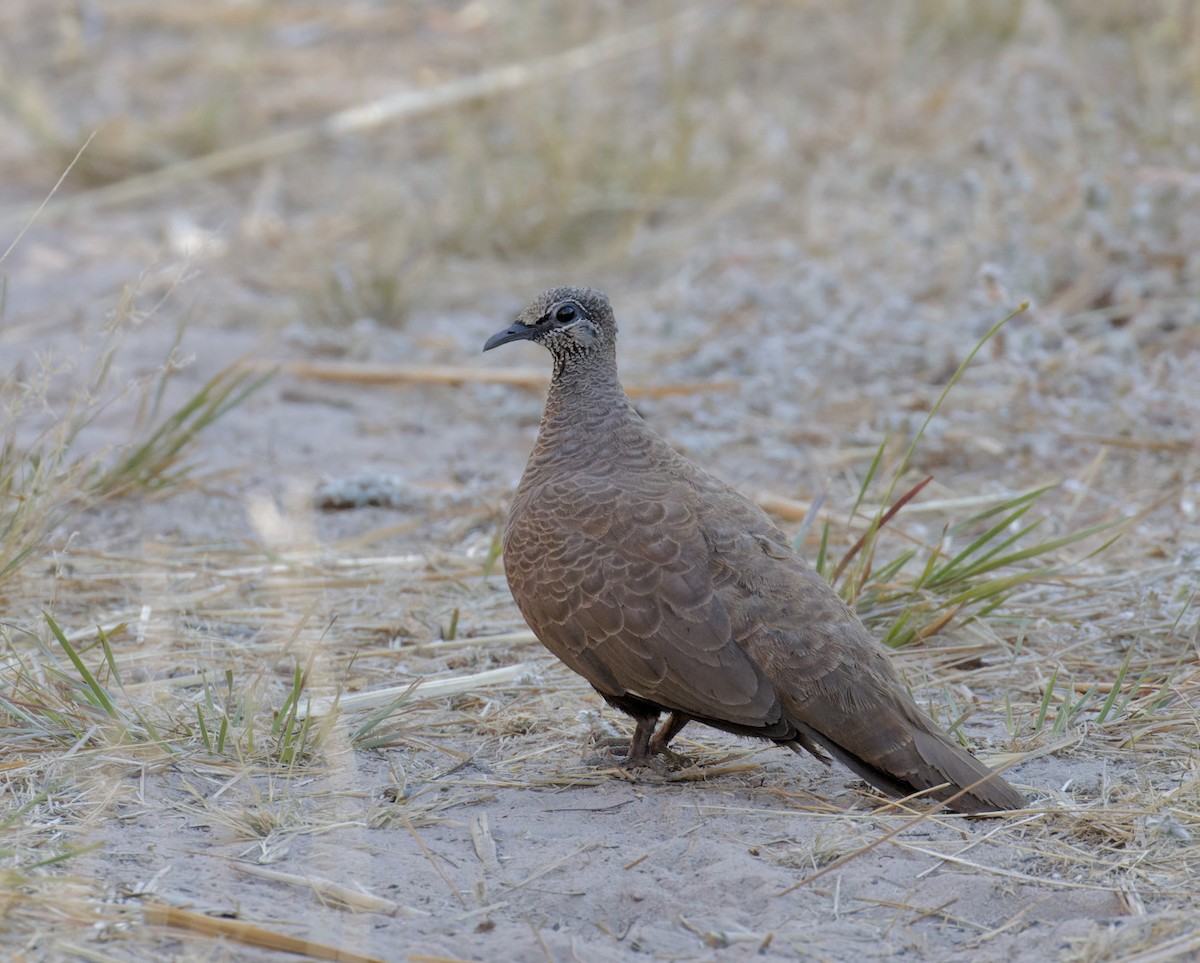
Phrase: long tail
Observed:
(921, 760)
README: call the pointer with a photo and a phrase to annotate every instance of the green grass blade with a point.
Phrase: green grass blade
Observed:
(1000, 585)
(1042, 548)
(953, 565)
(204, 736)
(1040, 722)
(866, 482)
(148, 464)
(108, 653)
(287, 711)
(376, 719)
(889, 571)
(964, 570)
(494, 552)
(1029, 497)
(101, 696)
(1102, 715)
(823, 552)
(898, 634)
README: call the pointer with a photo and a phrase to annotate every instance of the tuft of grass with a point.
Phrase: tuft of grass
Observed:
(949, 588)
(373, 287)
(974, 582)
(294, 735)
(238, 723)
(151, 460)
(370, 735)
(864, 550)
(47, 703)
(91, 689)
(81, 703)
(43, 481)
(38, 480)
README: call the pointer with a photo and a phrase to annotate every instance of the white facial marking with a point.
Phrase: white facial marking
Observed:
(585, 332)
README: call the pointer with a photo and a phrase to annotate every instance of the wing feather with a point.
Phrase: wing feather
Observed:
(633, 608)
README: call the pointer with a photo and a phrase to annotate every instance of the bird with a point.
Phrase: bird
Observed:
(672, 593)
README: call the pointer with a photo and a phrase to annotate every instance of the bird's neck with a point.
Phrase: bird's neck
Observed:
(586, 408)
(584, 378)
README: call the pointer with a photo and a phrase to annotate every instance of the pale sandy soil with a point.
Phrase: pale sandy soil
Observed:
(810, 213)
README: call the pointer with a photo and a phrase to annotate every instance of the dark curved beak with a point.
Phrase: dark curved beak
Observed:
(514, 332)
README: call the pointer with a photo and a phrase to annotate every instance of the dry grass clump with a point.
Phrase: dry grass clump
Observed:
(221, 708)
(1170, 936)
(50, 401)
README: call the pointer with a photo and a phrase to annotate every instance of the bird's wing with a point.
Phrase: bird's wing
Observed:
(835, 682)
(617, 584)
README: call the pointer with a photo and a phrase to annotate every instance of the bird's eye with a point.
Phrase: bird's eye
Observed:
(565, 313)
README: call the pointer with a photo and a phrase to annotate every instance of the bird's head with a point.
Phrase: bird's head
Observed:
(568, 322)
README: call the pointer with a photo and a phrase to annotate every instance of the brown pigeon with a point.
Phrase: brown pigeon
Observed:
(671, 592)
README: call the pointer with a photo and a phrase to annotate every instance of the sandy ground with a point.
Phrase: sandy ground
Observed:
(815, 214)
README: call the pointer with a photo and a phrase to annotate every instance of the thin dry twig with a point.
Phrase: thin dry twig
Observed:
(437, 866)
(425, 689)
(33, 216)
(448, 374)
(160, 914)
(329, 891)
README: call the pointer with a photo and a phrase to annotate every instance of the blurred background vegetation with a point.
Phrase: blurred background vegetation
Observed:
(1051, 140)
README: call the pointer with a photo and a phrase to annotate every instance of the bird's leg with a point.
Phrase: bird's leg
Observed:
(659, 742)
(645, 742)
(638, 753)
(642, 745)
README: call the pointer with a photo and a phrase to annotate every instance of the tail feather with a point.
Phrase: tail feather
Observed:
(923, 760)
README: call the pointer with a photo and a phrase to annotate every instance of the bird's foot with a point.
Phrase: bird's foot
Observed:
(658, 747)
(654, 756)
(617, 749)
